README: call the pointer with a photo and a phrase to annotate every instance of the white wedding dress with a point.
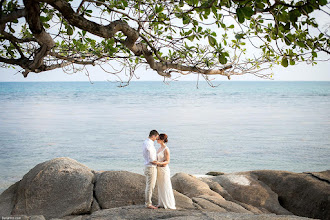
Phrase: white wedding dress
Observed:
(165, 191)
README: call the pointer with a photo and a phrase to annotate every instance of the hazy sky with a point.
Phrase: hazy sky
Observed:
(300, 72)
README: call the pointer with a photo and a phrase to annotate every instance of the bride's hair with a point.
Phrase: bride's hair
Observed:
(163, 137)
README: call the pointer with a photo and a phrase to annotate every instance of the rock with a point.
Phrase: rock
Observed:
(303, 194)
(227, 205)
(214, 186)
(141, 213)
(323, 176)
(95, 206)
(55, 188)
(209, 206)
(245, 188)
(202, 195)
(121, 188)
(7, 200)
(23, 217)
(63, 188)
(191, 186)
(213, 173)
(251, 208)
(37, 217)
(182, 201)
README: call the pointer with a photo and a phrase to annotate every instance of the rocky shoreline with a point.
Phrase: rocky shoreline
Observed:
(63, 188)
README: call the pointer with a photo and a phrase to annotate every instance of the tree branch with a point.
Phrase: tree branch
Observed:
(44, 39)
(11, 37)
(109, 31)
(12, 16)
(19, 62)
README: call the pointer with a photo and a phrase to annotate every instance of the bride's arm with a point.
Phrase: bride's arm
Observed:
(167, 158)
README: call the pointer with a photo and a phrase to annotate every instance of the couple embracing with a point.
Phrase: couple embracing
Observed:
(157, 169)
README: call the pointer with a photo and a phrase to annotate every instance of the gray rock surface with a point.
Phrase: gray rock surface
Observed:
(55, 188)
(120, 188)
(7, 200)
(64, 188)
(227, 205)
(214, 173)
(303, 194)
(200, 192)
(191, 186)
(246, 189)
(24, 217)
(182, 201)
(208, 205)
(141, 213)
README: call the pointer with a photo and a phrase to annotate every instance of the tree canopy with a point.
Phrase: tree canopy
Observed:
(207, 37)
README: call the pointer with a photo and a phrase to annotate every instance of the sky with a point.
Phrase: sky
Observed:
(299, 72)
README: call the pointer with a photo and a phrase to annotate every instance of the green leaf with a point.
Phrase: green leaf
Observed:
(301, 44)
(222, 59)
(323, 2)
(240, 15)
(260, 5)
(239, 36)
(159, 9)
(292, 62)
(69, 31)
(284, 62)
(212, 41)
(185, 19)
(294, 14)
(247, 11)
(287, 41)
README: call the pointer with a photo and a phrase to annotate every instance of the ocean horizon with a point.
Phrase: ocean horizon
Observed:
(236, 126)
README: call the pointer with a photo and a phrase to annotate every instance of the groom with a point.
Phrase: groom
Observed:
(150, 162)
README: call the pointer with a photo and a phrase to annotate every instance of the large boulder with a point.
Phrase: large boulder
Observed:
(303, 194)
(55, 188)
(182, 201)
(247, 189)
(123, 188)
(120, 188)
(203, 196)
(7, 200)
(191, 186)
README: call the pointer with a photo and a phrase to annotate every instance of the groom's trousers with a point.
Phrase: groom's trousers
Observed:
(151, 177)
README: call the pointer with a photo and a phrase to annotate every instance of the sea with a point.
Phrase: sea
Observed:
(231, 127)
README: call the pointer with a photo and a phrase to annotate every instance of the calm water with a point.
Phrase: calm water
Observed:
(237, 126)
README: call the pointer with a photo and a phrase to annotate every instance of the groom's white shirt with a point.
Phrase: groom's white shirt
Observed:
(149, 153)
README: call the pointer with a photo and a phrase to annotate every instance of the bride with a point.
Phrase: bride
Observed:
(165, 192)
